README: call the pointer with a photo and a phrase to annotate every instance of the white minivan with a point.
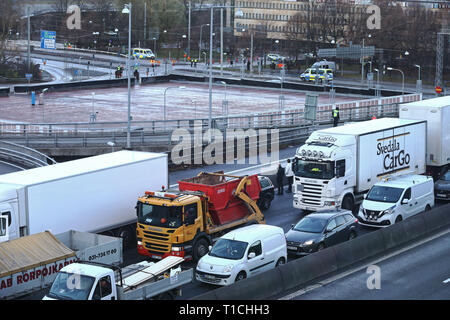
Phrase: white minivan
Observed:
(242, 253)
(393, 200)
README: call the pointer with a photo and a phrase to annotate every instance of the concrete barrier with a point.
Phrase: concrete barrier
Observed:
(74, 85)
(351, 252)
(334, 259)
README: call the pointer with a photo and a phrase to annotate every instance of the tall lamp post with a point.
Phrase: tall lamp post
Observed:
(378, 82)
(127, 10)
(239, 13)
(165, 91)
(419, 81)
(403, 77)
(200, 42)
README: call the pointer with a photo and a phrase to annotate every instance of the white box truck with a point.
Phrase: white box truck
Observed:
(336, 166)
(436, 112)
(96, 194)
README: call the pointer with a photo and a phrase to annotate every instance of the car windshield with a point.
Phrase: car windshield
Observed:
(384, 194)
(69, 286)
(446, 177)
(228, 249)
(314, 169)
(160, 216)
(311, 225)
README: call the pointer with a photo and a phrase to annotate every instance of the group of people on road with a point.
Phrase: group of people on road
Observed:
(285, 172)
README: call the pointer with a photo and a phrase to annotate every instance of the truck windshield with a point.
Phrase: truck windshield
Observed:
(314, 169)
(69, 286)
(160, 216)
(228, 249)
(384, 194)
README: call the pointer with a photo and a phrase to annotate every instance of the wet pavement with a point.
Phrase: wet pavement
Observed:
(147, 103)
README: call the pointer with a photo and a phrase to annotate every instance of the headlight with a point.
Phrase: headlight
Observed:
(388, 211)
(308, 243)
(139, 243)
(177, 248)
(228, 268)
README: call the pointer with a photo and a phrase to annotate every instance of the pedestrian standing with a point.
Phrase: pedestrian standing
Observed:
(280, 176)
(335, 116)
(289, 175)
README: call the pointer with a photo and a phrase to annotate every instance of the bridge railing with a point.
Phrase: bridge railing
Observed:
(23, 157)
(159, 133)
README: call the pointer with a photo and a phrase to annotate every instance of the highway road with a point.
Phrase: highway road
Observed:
(421, 272)
(281, 213)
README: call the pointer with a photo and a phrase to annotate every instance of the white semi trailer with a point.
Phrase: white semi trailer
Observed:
(336, 166)
(436, 112)
(96, 194)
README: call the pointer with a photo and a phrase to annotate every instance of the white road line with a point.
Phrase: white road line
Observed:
(344, 274)
(446, 281)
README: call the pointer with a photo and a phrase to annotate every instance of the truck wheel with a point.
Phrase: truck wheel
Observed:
(427, 208)
(347, 203)
(126, 235)
(200, 249)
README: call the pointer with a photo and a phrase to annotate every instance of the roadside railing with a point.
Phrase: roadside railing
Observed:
(159, 133)
(23, 157)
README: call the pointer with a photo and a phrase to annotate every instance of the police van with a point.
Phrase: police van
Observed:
(143, 54)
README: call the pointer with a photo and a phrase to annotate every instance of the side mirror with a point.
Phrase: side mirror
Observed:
(365, 195)
(405, 201)
(209, 248)
(292, 226)
(251, 255)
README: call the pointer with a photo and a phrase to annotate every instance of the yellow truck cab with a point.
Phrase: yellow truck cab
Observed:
(184, 222)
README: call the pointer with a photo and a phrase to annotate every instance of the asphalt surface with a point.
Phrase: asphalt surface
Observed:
(420, 273)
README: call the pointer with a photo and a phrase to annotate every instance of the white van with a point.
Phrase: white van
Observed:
(393, 200)
(242, 253)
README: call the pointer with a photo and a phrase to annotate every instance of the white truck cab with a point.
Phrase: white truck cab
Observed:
(83, 282)
(393, 200)
(141, 281)
(336, 166)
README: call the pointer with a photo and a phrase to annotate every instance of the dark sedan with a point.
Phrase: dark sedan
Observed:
(442, 187)
(320, 230)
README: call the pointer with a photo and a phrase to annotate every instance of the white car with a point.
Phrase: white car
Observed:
(242, 253)
(396, 199)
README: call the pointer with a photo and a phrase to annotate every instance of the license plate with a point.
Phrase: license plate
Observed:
(292, 248)
(441, 195)
(207, 276)
(156, 257)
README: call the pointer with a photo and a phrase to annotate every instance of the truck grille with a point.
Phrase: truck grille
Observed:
(156, 235)
(157, 247)
(312, 194)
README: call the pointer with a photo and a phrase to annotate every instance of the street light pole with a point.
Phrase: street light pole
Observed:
(29, 48)
(189, 32)
(419, 81)
(127, 9)
(221, 41)
(210, 69)
(403, 78)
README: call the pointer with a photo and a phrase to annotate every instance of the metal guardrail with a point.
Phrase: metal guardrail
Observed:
(159, 133)
(23, 157)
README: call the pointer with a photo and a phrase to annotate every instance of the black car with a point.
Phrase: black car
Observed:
(267, 193)
(442, 187)
(320, 230)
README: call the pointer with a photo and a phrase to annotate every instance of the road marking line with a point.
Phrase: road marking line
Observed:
(344, 274)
